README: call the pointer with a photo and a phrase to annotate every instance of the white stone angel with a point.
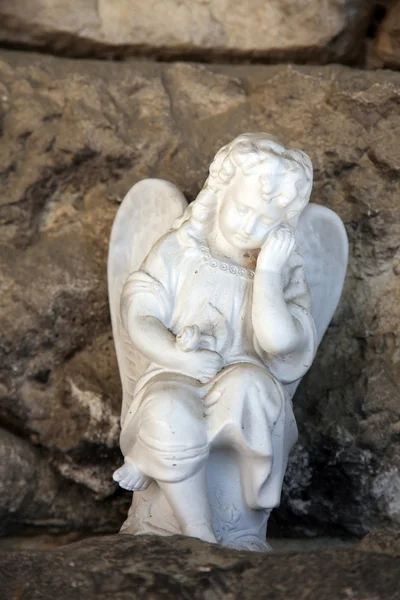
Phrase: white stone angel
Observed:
(213, 332)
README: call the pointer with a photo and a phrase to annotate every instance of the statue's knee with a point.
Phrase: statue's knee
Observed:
(165, 434)
(156, 405)
(172, 422)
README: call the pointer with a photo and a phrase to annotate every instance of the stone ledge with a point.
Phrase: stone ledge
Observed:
(122, 567)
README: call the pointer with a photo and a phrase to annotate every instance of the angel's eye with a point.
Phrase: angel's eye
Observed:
(266, 222)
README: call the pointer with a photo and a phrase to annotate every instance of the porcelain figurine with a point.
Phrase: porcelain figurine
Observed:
(217, 311)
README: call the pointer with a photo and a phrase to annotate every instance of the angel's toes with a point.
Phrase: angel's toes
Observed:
(145, 484)
(139, 483)
(131, 478)
(122, 475)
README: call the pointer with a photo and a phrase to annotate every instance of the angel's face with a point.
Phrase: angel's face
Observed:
(247, 215)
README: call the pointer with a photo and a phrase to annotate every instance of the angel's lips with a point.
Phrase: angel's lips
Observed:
(242, 238)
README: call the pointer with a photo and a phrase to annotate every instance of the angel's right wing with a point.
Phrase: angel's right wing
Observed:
(146, 213)
(322, 241)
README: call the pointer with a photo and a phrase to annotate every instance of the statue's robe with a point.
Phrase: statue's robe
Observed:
(174, 421)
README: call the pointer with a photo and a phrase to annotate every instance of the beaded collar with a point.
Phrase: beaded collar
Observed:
(227, 267)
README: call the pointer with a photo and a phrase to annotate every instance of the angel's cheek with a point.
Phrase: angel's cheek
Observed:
(229, 222)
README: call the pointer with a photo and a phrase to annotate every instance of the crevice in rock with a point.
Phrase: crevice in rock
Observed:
(42, 376)
(378, 14)
(215, 55)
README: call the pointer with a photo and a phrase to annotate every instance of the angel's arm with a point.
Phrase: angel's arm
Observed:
(278, 332)
(145, 311)
(148, 333)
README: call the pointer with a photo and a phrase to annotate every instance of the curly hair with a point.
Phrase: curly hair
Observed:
(251, 153)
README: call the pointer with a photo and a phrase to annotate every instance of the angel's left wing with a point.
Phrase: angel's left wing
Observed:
(322, 241)
(146, 213)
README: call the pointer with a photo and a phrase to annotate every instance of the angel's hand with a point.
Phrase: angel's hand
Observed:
(202, 364)
(277, 249)
(190, 338)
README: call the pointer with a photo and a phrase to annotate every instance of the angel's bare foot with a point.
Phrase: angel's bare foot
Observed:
(130, 477)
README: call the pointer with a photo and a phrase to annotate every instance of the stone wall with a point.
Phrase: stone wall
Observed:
(75, 136)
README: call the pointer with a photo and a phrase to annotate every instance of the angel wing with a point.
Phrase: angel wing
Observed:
(146, 213)
(322, 241)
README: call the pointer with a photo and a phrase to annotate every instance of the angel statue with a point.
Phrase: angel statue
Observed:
(217, 311)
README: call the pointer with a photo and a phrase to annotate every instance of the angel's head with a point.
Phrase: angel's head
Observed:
(254, 185)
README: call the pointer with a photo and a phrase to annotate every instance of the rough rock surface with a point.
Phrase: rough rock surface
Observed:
(75, 135)
(381, 541)
(387, 44)
(122, 567)
(32, 495)
(291, 30)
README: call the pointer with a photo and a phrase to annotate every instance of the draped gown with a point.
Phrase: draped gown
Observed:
(174, 421)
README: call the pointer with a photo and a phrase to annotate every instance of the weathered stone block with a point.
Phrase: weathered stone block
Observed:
(288, 30)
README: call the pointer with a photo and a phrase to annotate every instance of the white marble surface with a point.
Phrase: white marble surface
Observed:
(217, 313)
